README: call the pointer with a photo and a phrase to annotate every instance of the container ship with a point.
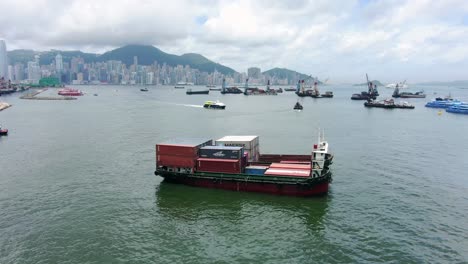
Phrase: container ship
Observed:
(235, 163)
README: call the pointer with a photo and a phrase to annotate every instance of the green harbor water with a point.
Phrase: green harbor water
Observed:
(77, 181)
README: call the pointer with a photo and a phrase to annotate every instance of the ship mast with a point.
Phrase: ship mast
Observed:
(224, 85)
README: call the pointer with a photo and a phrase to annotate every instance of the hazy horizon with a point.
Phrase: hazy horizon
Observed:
(392, 41)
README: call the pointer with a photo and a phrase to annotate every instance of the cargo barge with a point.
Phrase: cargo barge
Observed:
(235, 163)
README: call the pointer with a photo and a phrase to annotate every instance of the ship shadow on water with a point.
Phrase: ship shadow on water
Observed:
(190, 203)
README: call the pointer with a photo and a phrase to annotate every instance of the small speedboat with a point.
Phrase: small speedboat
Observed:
(144, 89)
(3, 131)
(214, 105)
(298, 106)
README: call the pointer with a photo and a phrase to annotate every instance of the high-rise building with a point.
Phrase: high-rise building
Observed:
(58, 63)
(254, 73)
(3, 60)
(11, 73)
(34, 71)
(135, 61)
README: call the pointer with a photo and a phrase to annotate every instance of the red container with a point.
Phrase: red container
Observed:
(219, 165)
(287, 172)
(176, 161)
(176, 150)
(290, 166)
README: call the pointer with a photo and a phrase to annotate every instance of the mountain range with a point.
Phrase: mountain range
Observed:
(146, 55)
(282, 73)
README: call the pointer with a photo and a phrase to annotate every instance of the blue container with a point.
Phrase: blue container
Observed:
(255, 170)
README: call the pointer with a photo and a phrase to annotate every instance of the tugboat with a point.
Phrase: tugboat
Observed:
(214, 105)
(298, 106)
(3, 131)
(235, 164)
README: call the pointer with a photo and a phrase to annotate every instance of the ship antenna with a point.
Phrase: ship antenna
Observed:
(318, 142)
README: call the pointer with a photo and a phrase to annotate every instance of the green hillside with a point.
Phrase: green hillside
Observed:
(283, 73)
(147, 55)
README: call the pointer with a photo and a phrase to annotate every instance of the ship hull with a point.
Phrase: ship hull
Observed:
(304, 188)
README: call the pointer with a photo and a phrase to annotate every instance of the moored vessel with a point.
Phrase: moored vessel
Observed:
(235, 164)
(70, 92)
(442, 102)
(371, 93)
(229, 90)
(189, 91)
(389, 103)
(461, 108)
(257, 91)
(397, 94)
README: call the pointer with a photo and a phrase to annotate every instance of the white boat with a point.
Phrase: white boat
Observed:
(400, 85)
(214, 105)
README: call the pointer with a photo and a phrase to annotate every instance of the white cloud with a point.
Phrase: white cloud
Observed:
(340, 39)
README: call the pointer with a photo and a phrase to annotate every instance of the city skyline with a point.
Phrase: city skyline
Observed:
(391, 40)
(76, 70)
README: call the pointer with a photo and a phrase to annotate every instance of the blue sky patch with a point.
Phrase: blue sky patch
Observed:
(200, 20)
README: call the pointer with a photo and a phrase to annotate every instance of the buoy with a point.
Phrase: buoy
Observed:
(439, 113)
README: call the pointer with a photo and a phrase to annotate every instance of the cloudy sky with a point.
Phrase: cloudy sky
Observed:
(391, 40)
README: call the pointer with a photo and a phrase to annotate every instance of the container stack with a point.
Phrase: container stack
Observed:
(289, 169)
(225, 159)
(180, 155)
(249, 143)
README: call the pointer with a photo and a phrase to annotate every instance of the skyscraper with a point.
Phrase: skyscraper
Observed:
(254, 72)
(58, 63)
(3, 60)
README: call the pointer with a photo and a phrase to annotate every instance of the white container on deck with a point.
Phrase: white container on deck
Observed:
(250, 144)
